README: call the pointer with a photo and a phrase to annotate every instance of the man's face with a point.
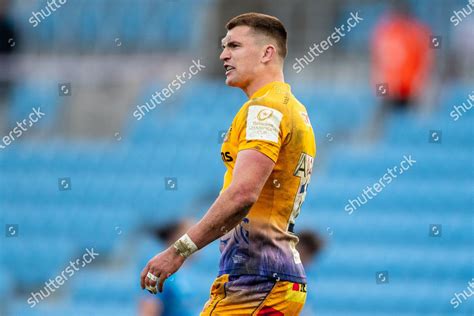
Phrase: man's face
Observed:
(241, 55)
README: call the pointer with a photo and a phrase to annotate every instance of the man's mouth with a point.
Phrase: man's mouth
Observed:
(228, 69)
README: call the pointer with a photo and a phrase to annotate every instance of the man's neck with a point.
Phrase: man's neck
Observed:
(261, 82)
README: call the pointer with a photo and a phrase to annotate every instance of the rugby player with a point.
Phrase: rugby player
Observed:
(268, 152)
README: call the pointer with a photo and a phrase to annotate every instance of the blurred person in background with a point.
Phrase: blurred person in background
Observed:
(173, 300)
(171, 303)
(268, 151)
(462, 51)
(8, 36)
(309, 246)
(8, 44)
(401, 61)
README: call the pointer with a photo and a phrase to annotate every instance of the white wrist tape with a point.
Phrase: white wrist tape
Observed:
(185, 246)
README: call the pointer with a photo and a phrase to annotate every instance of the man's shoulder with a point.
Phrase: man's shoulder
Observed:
(273, 99)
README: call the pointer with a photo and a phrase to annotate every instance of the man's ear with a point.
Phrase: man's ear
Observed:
(269, 53)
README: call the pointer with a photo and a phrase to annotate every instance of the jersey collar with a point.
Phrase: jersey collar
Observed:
(282, 86)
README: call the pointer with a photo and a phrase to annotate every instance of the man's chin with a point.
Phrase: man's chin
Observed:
(231, 82)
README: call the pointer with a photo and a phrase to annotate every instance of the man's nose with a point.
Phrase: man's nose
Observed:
(224, 55)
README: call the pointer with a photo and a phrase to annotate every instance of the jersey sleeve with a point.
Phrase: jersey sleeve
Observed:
(263, 128)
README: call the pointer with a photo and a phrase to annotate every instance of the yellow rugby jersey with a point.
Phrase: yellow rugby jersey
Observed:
(276, 124)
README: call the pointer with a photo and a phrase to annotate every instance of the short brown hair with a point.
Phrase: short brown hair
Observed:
(265, 24)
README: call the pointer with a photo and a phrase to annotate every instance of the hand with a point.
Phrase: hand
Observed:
(162, 266)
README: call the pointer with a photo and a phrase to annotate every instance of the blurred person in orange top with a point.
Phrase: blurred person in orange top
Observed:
(401, 52)
(401, 55)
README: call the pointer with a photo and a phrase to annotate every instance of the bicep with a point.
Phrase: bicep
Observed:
(251, 171)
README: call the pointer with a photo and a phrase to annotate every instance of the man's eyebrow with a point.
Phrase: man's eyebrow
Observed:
(230, 42)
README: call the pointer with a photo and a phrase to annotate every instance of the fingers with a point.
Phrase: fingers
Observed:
(162, 281)
(143, 276)
(151, 278)
(148, 278)
(151, 290)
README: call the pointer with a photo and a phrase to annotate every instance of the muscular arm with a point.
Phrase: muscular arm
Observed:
(251, 171)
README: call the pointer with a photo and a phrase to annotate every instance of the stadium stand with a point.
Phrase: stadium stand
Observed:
(118, 188)
(122, 186)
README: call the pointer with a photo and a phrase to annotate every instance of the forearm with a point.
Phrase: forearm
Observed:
(251, 172)
(225, 213)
